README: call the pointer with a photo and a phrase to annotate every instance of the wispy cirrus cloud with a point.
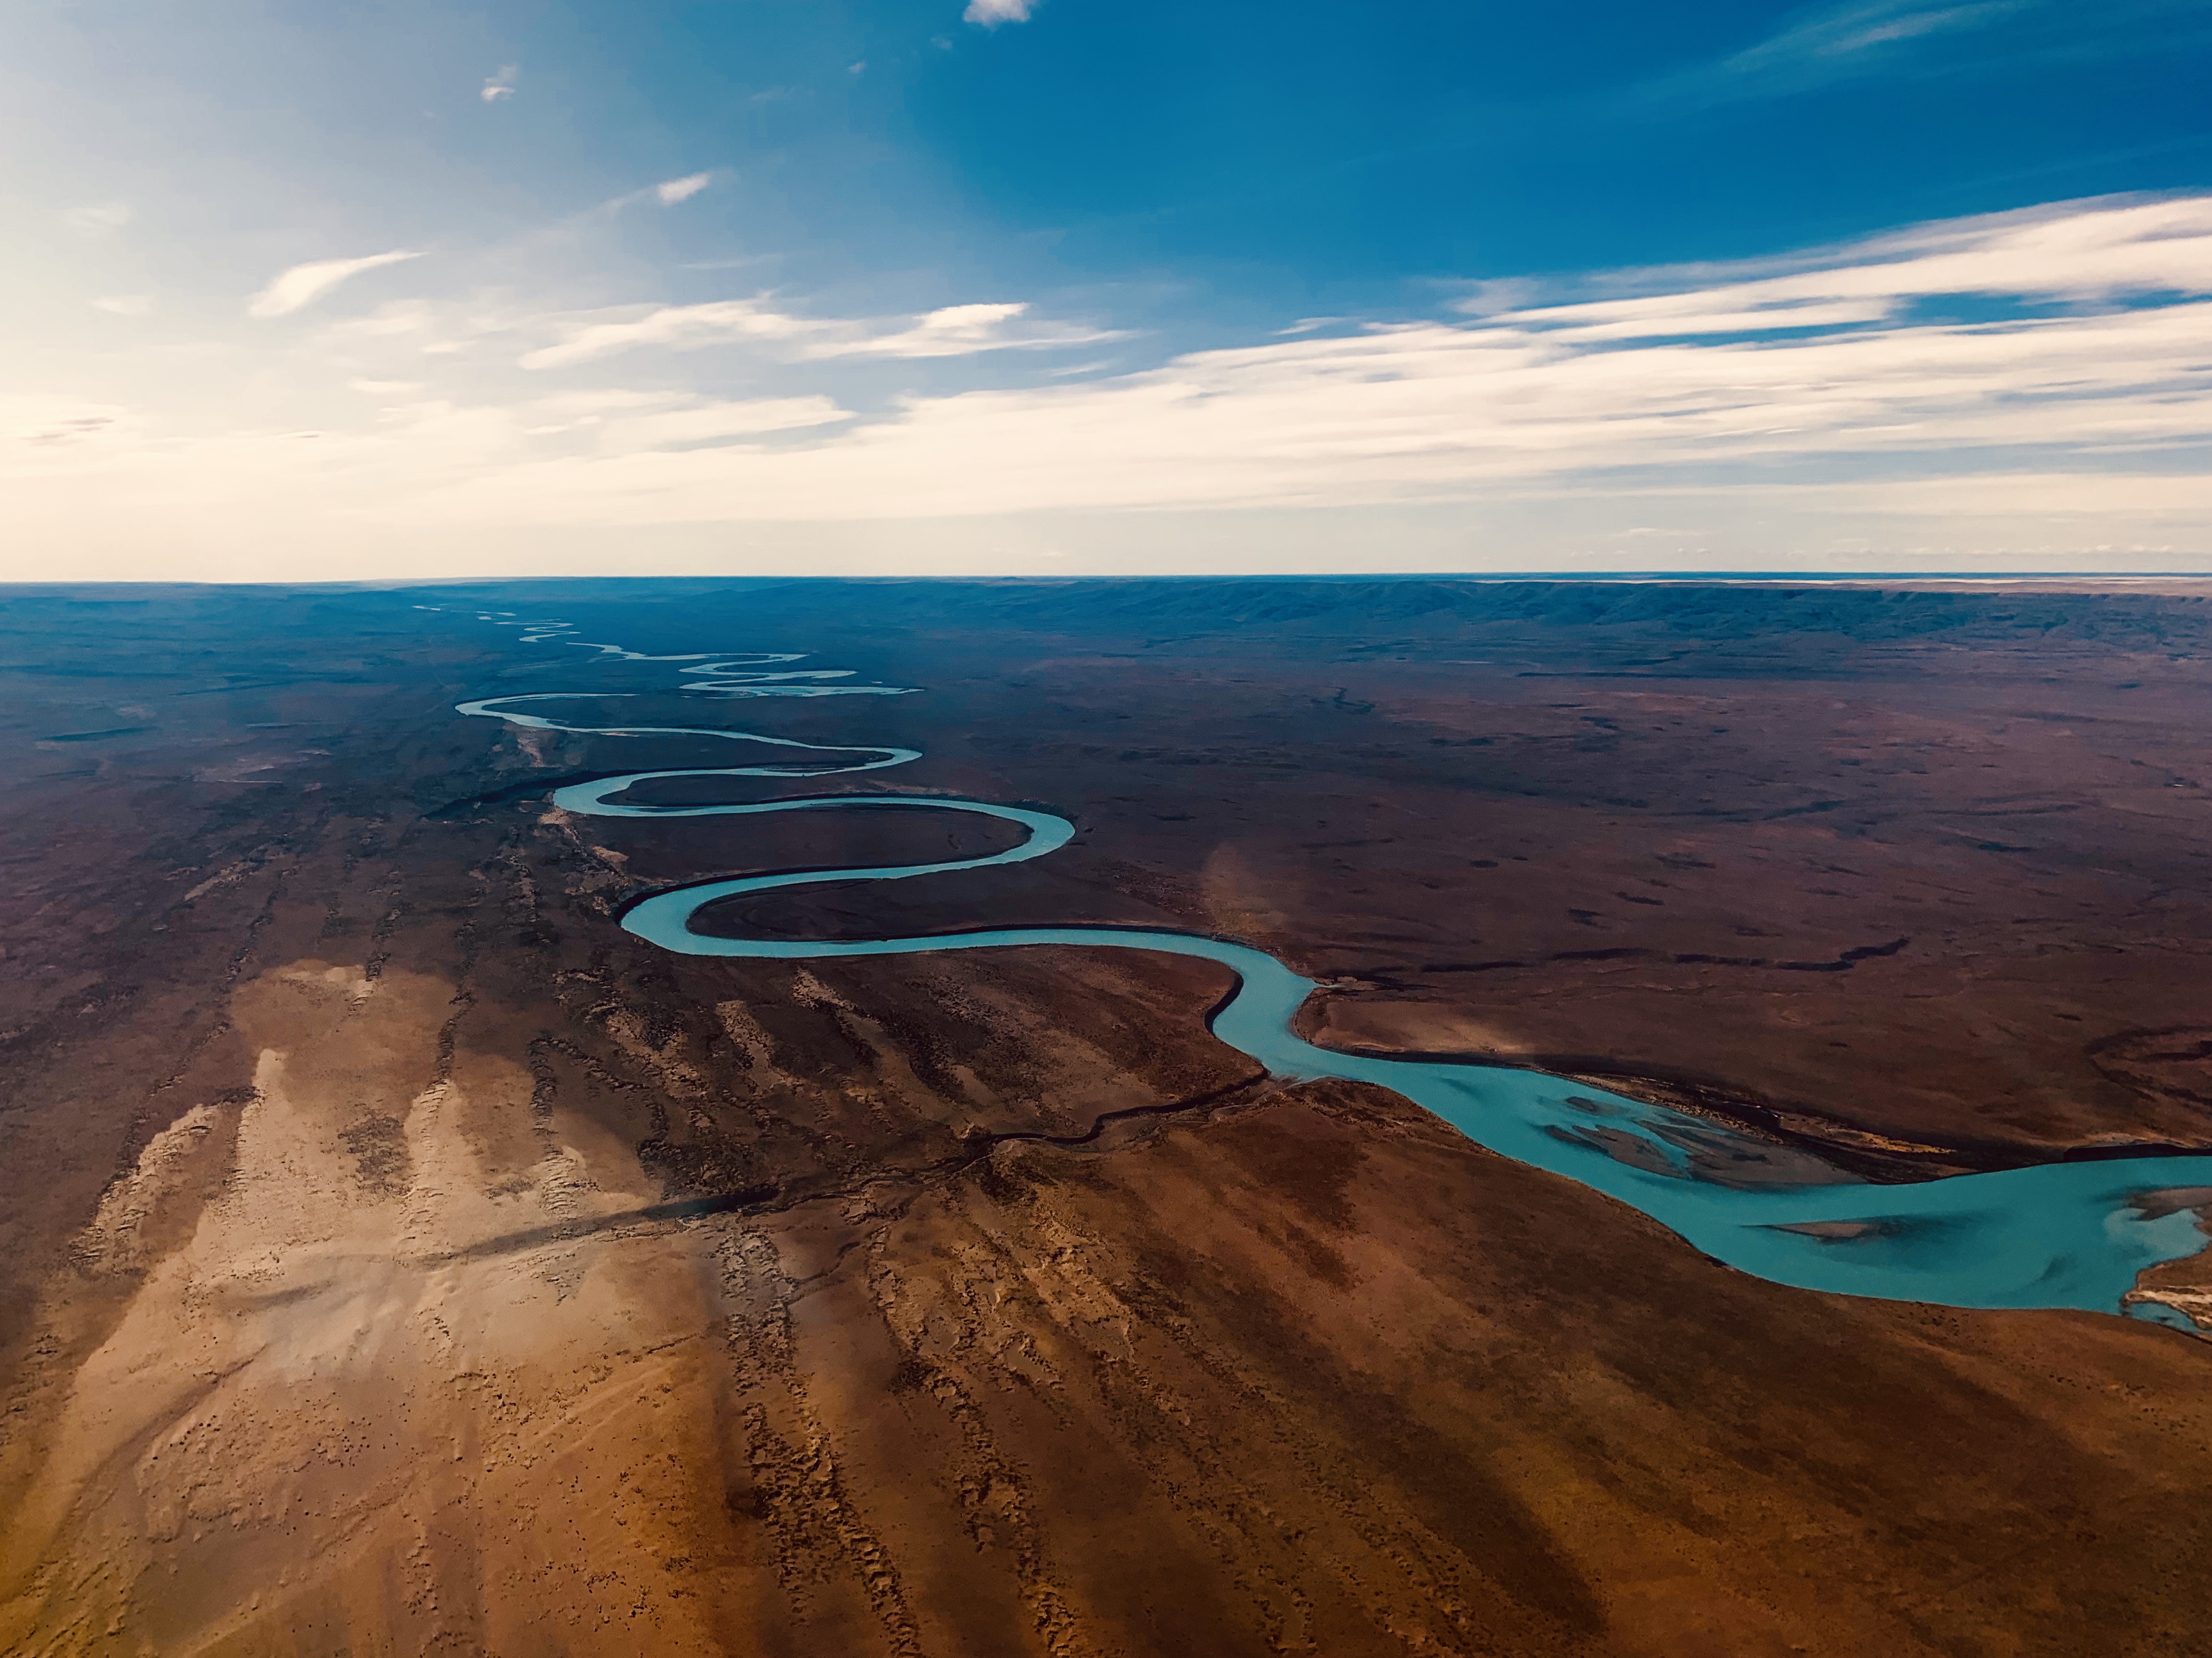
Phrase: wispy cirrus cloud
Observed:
(500, 87)
(302, 285)
(97, 218)
(681, 327)
(954, 330)
(35, 425)
(1834, 37)
(631, 423)
(1864, 38)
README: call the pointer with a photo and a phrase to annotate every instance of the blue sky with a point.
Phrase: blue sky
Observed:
(1068, 285)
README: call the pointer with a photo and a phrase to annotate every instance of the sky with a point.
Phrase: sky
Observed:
(348, 292)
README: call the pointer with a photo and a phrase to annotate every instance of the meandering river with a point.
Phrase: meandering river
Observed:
(2073, 1234)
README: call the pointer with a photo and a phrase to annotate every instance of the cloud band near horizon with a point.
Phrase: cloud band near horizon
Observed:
(2068, 349)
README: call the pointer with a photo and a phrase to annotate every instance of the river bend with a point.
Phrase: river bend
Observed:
(2067, 1235)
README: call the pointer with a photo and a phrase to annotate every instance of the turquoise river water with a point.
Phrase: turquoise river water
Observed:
(2072, 1235)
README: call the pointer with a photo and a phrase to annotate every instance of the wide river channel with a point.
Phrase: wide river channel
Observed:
(2073, 1234)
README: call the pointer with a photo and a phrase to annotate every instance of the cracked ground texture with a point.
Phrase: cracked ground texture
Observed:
(400, 1258)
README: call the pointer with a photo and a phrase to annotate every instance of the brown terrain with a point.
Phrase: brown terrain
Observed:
(397, 1257)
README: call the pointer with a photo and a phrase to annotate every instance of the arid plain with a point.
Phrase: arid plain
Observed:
(401, 1257)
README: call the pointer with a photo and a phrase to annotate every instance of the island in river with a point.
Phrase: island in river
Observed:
(403, 1254)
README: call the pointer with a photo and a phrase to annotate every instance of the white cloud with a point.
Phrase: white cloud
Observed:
(125, 305)
(2048, 372)
(2082, 251)
(98, 218)
(992, 13)
(499, 86)
(303, 284)
(955, 330)
(1812, 371)
(682, 190)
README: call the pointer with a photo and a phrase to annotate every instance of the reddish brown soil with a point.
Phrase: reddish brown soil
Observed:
(399, 1256)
